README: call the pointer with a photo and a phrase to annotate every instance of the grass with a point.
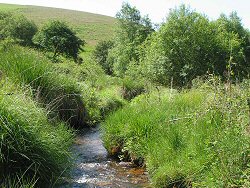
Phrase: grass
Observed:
(59, 94)
(193, 138)
(33, 149)
(100, 93)
(34, 95)
(90, 27)
(9, 7)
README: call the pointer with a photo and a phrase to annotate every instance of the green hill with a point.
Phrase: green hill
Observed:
(91, 27)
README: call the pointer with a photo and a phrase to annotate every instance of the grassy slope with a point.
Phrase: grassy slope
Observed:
(91, 27)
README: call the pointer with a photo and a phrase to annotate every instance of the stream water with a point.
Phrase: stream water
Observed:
(94, 169)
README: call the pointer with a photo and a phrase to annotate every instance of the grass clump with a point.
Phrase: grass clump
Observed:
(100, 93)
(195, 138)
(34, 151)
(131, 88)
(59, 94)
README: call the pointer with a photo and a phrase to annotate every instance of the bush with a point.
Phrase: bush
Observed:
(101, 54)
(100, 92)
(234, 39)
(17, 27)
(188, 45)
(58, 38)
(110, 100)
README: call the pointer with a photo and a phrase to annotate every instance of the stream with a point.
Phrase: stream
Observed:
(93, 169)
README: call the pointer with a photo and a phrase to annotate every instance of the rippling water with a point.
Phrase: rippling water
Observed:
(94, 169)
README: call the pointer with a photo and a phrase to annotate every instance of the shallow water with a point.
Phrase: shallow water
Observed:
(94, 169)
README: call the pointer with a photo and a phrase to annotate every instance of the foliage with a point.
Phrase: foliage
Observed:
(58, 93)
(189, 45)
(101, 54)
(183, 48)
(234, 39)
(197, 138)
(33, 150)
(58, 38)
(131, 89)
(132, 30)
(17, 27)
(100, 92)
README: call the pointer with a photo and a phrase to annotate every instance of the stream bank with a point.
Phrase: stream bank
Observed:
(93, 168)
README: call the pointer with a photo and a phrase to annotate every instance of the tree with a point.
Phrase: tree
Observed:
(184, 47)
(235, 41)
(101, 54)
(58, 38)
(188, 45)
(132, 30)
(17, 27)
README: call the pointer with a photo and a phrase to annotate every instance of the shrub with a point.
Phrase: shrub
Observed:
(58, 38)
(101, 54)
(132, 31)
(188, 45)
(110, 100)
(234, 39)
(17, 27)
(100, 92)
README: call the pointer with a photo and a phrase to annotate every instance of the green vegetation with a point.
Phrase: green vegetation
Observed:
(58, 93)
(197, 138)
(33, 149)
(101, 54)
(186, 46)
(100, 93)
(132, 31)
(17, 27)
(36, 95)
(58, 38)
(189, 45)
(188, 138)
(9, 7)
(90, 27)
(44, 94)
(194, 134)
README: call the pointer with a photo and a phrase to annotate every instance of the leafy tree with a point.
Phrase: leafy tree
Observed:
(234, 39)
(17, 27)
(101, 54)
(132, 30)
(189, 45)
(184, 47)
(58, 38)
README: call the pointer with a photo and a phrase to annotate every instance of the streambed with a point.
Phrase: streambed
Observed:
(94, 169)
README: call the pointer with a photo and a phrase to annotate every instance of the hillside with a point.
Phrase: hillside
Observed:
(91, 27)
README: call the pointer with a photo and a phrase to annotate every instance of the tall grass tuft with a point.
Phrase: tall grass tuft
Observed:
(32, 150)
(60, 95)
